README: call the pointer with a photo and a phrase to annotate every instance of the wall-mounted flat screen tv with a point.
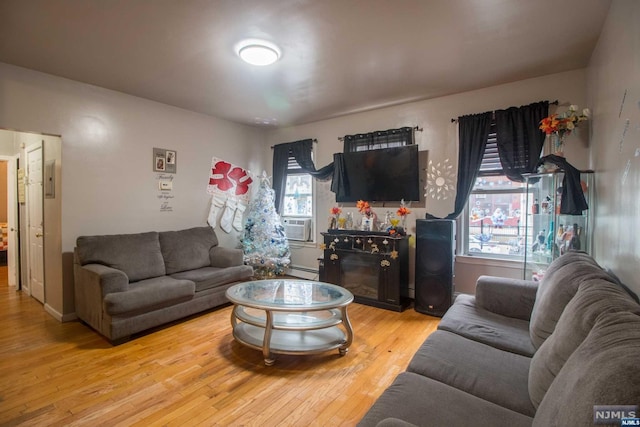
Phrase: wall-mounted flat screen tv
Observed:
(384, 175)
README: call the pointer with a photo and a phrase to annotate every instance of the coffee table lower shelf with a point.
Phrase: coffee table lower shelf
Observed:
(292, 342)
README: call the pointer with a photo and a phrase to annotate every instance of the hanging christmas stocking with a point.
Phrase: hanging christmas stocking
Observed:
(237, 218)
(226, 222)
(216, 203)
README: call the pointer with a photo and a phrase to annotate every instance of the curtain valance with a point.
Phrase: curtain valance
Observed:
(378, 139)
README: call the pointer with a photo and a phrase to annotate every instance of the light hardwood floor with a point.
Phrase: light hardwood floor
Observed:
(191, 372)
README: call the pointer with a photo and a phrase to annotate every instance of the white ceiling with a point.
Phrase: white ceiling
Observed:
(339, 56)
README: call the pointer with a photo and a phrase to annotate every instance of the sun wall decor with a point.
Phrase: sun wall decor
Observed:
(440, 180)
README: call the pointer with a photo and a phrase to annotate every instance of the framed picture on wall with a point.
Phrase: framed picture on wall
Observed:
(160, 163)
(171, 157)
(165, 160)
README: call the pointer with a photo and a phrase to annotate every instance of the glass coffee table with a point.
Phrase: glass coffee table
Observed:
(291, 317)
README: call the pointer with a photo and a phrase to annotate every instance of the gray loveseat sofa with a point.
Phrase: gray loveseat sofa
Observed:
(522, 353)
(128, 283)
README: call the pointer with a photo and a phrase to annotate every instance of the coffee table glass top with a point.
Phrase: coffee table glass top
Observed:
(289, 295)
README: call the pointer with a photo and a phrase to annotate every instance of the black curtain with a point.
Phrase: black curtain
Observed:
(572, 200)
(519, 138)
(473, 133)
(340, 181)
(279, 180)
(301, 150)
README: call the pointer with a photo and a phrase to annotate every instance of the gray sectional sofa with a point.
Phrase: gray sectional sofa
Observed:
(522, 353)
(128, 283)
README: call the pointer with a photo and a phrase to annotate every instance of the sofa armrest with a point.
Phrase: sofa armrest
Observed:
(92, 283)
(225, 257)
(507, 297)
(106, 279)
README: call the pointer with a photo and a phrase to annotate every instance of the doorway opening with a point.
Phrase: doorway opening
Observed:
(9, 237)
(34, 219)
(4, 247)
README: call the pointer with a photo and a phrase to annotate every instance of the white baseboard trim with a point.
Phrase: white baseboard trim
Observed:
(303, 272)
(59, 316)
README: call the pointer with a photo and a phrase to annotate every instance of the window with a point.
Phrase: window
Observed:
(495, 221)
(298, 193)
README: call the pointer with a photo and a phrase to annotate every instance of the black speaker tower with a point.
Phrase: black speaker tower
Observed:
(435, 257)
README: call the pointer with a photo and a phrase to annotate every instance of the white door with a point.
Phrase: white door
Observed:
(35, 223)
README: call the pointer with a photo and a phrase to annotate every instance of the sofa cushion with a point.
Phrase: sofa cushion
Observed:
(148, 295)
(138, 255)
(603, 370)
(594, 297)
(187, 249)
(210, 277)
(225, 257)
(559, 285)
(484, 371)
(507, 297)
(467, 319)
(423, 401)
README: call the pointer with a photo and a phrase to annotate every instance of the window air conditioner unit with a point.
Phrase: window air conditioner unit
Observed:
(297, 228)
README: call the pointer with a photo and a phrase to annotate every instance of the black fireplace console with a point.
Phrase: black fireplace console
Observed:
(374, 266)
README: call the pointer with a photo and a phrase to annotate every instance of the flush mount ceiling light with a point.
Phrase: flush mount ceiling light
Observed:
(258, 52)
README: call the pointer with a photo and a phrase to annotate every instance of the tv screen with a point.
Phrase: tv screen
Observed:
(385, 175)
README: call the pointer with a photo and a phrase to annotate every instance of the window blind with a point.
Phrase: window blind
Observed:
(292, 165)
(491, 159)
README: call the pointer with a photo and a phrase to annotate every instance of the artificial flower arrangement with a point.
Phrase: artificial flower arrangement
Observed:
(561, 125)
(364, 208)
(403, 210)
(335, 220)
(368, 217)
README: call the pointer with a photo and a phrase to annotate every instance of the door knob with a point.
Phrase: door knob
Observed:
(38, 234)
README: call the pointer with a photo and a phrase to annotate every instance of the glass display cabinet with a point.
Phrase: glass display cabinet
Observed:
(549, 233)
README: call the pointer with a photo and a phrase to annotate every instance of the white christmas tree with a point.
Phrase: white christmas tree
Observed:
(264, 243)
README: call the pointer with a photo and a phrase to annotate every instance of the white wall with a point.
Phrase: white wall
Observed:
(9, 145)
(614, 76)
(108, 185)
(440, 138)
